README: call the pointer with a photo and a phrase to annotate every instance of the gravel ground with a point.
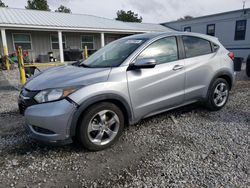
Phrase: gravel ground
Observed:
(187, 147)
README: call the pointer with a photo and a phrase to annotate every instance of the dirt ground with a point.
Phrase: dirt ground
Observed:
(186, 147)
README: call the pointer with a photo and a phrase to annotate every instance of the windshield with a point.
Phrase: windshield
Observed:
(113, 54)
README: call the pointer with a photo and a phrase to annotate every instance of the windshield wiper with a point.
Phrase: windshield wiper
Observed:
(77, 63)
(84, 65)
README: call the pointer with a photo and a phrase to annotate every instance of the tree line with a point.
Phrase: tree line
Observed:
(40, 5)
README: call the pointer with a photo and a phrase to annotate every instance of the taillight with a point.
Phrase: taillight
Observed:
(231, 55)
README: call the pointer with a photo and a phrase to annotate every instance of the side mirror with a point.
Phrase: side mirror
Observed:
(143, 64)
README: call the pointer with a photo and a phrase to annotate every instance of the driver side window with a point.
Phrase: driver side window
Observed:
(163, 51)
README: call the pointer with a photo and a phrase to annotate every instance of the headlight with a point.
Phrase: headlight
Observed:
(53, 94)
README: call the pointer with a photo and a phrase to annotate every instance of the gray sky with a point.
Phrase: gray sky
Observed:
(152, 11)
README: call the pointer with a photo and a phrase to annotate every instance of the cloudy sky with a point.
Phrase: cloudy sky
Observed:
(152, 11)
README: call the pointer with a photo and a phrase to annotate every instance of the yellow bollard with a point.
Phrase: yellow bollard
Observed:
(21, 65)
(7, 63)
(86, 52)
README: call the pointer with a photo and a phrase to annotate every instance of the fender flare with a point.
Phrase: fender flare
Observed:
(218, 75)
(81, 108)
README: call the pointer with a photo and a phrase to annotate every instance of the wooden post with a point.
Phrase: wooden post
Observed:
(7, 62)
(86, 52)
(21, 65)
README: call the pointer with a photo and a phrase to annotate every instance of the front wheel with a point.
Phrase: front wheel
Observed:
(101, 126)
(218, 94)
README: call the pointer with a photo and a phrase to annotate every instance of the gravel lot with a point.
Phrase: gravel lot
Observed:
(187, 147)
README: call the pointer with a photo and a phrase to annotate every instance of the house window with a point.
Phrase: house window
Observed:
(211, 29)
(23, 40)
(55, 42)
(240, 30)
(187, 29)
(88, 40)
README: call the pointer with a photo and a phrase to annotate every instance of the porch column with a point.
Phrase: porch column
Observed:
(60, 46)
(102, 40)
(4, 40)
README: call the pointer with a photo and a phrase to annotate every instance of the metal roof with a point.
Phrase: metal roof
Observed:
(247, 10)
(35, 19)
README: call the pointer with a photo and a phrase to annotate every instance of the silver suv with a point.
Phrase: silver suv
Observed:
(127, 80)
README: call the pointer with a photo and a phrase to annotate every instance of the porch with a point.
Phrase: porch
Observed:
(54, 45)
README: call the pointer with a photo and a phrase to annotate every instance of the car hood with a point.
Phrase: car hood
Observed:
(67, 76)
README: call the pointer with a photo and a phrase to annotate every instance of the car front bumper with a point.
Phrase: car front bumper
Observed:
(50, 122)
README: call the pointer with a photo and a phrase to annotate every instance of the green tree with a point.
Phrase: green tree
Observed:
(128, 16)
(63, 9)
(37, 5)
(2, 4)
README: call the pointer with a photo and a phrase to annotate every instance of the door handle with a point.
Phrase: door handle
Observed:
(178, 67)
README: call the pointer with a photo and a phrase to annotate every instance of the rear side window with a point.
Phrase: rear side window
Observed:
(163, 50)
(195, 46)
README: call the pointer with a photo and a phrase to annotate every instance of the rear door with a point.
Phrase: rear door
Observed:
(201, 64)
(161, 87)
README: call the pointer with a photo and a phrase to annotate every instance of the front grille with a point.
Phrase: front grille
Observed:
(26, 99)
(42, 130)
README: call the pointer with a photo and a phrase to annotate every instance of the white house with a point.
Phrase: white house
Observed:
(231, 28)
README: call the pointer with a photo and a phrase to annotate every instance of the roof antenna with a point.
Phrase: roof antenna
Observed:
(244, 4)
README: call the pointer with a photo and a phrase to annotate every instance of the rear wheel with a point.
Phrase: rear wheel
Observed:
(101, 126)
(218, 94)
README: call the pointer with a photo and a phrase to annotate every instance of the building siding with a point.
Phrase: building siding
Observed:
(40, 42)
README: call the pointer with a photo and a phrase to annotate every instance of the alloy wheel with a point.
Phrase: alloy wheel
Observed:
(103, 127)
(220, 94)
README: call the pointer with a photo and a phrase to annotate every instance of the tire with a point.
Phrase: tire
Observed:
(101, 126)
(218, 94)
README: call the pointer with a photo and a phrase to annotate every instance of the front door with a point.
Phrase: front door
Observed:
(159, 88)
